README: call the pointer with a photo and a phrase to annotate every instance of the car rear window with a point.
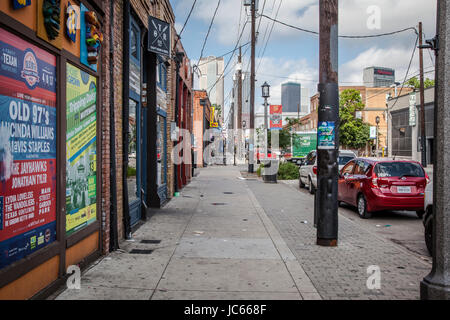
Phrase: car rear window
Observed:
(342, 160)
(398, 169)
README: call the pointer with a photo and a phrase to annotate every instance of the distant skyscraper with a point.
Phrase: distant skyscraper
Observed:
(211, 69)
(291, 97)
(374, 77)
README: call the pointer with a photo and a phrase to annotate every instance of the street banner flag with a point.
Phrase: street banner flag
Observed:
(276, 121)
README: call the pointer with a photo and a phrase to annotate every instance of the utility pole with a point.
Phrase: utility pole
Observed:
(328, 126)
(239, 115)
(422, 102)
(252, 93)
(436, 285)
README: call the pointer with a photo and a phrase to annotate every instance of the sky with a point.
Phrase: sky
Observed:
(292, 55)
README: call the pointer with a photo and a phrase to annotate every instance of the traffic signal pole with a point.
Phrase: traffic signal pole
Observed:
(328, 126)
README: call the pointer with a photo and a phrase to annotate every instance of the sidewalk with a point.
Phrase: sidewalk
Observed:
(216, 242)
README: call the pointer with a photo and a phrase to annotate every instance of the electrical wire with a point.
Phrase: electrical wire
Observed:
(209, 29)
(341, 36)
(268, 38)
(187, 19)
(229, 60)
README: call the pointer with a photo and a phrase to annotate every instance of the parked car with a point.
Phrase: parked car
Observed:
(378, 184)
(428, 218)
(308, 170)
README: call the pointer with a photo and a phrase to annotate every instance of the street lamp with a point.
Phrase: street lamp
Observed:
(377, 120)
(265, 94)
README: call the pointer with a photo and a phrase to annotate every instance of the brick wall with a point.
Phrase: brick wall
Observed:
(118, 109)
(105, 123)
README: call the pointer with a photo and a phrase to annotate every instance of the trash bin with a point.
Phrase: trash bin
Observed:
(270, 170)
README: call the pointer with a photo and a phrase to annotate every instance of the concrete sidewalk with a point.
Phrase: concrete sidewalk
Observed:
(216, 242)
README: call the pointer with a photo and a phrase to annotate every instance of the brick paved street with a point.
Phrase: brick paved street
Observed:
(340, 273)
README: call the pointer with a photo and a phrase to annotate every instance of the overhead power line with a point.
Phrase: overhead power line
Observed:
(187, 19)
(209, 29)
(229, 60)
(341, 36)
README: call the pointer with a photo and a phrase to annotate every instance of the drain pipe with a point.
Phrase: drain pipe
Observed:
(113, 237)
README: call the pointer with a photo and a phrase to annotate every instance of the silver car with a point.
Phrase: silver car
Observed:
(308, 171)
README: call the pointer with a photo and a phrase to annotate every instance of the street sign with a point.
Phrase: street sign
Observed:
(373, 132)
(158, 36)
(412, 109)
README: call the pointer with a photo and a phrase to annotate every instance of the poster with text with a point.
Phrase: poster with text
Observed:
(27, 148)
(326, 135)
(276, 121)
(81, 150)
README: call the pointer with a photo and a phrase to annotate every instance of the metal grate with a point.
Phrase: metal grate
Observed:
(227, 192)
(151, 241)
(141, 251)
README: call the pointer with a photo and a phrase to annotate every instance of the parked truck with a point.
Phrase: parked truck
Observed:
(302, 143)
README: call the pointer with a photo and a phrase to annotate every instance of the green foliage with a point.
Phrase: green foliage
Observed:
(131, 172)
(287, 171)
(353, 133)
(284, 136)
(258, 171)
(415, 82)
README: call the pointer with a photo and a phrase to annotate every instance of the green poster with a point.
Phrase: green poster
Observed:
(81, 150)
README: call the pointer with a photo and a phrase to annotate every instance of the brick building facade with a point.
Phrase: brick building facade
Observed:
(125, 171)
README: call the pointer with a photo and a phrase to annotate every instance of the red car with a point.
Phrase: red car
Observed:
(378, 184)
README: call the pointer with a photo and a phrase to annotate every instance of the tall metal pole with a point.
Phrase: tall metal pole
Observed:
(252, 94)
(239, 115)
(266, 127)
(423, 141)
(436, 285)
(328, 127)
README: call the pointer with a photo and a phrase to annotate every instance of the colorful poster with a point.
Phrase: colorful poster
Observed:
(27, 148)
(276, 121)
(19, 4)
(81, 150)
(326, 135)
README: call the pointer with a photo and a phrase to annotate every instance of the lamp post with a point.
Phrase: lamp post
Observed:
(377, 120)
(265, 94)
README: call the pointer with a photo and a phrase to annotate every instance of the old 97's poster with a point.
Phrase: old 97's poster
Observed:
(81, 175)
(27, 148)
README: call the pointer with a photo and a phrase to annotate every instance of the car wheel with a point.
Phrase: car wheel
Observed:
(311, 187)
(429, 234)
(300, 183)
(362, 208)
(420, 213)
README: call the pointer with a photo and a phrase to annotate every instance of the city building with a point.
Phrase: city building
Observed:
(202, 123)
(375, 77)
(404, 126)
(212, 79)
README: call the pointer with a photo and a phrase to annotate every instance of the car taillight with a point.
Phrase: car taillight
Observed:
(315, 170)
(374, 180)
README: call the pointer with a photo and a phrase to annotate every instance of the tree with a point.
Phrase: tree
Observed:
(427, 83)
(284, 139)
(353, 132)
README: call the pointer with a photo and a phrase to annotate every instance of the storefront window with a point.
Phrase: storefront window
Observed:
(134, 42)
(81, 149)
(132, 152)
(160, 147)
